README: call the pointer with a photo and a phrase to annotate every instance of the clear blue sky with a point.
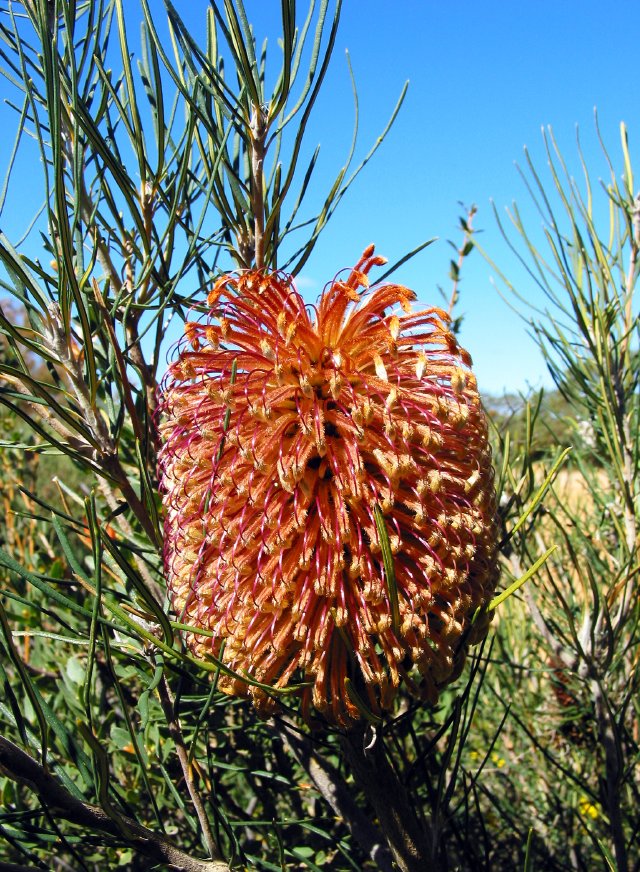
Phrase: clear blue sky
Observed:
(484, 78)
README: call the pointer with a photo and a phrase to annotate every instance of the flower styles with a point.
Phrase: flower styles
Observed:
(296, 451)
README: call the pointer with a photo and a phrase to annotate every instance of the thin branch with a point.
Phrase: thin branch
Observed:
(259, 130)
(337, 794)
(116, 473)
(20, 767)
(410, 843)
(463, 251)
(167, 702)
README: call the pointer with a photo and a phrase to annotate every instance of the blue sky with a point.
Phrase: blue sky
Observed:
(484, 78)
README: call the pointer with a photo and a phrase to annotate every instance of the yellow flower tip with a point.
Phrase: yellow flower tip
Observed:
(282, 437)
(588, 809)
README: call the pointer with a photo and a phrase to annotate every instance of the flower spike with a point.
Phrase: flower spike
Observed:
(330, 509)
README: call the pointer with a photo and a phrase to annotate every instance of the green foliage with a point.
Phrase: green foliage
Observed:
(551, 421)
(569, 652)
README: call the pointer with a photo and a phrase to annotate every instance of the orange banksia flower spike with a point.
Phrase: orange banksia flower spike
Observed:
(309, 454)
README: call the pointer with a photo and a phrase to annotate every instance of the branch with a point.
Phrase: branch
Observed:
(20, 767)
(330, 784)
(259, 130)
(613, 765)
(569, 660)
(463, 251)
(113, 467)
(175, 732)
(410, 843)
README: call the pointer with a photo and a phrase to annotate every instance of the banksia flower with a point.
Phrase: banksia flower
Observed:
(328, 490)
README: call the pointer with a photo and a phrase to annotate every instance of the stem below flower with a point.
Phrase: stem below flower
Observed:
(410, 843)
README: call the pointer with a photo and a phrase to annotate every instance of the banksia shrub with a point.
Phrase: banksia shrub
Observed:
(295, 452)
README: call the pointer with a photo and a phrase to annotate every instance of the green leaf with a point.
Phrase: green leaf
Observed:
(517, 584)
(538, 496)
(359, 703)
(389, 568)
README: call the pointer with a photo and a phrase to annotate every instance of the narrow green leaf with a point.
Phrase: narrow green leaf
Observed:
(149, 493)
(628, 171)
(94, 531)
(101, 763)
(26, 681)
(138, 584)
(528, 856)
(15, 706)
(496, 601)
(9, 563)
(68, 550)
(359, 703)
(405, 258)
(389, 569)
(134, 736)
(537, 498)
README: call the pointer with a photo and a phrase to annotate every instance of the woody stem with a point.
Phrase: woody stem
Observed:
(259, 129)
(410, 843)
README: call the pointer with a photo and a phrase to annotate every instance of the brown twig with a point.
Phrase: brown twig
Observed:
(410, 843)
(259, 128)
(167, 702)
(22, 768)
(332, 787)
(116, 473)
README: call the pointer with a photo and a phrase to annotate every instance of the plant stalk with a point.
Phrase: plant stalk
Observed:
(259, 128)
(167, 702)
(610, 789)
(410, 843)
